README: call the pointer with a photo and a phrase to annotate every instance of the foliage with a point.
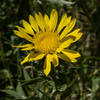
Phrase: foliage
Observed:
(79, 81)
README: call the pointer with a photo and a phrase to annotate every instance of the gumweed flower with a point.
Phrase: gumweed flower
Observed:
(48, 39)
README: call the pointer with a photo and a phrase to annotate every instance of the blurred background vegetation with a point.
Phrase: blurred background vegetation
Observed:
(79, 81)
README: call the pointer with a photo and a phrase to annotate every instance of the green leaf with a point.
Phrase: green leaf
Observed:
(12, 93)
(19, 90)
(26, 75)
(18, 94)
(62, 87)
(29, 82)
(95, 86)
(4, 74)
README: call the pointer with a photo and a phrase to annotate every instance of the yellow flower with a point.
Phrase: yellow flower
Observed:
(48, 40)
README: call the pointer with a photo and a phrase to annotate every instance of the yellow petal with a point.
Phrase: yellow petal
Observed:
(36, 56)
(23, 46)
(33, 23)
(62, 23)
(75, 34)
(53, 20)
(78, 36)
(26, 59)
(32, 57)
(47, 21)
(18, 33)
(68, 29)
(67, 21)
(28, 48)
(75, 54)
(64, 44)
(55, 60)
(40, 21)
(47, 64)
(28, 27)
(64, 57)
(21, 33)
(72, 55)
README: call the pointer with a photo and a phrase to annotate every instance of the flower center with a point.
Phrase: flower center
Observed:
(46, 42)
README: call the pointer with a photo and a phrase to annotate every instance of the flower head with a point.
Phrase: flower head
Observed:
(48, 40)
